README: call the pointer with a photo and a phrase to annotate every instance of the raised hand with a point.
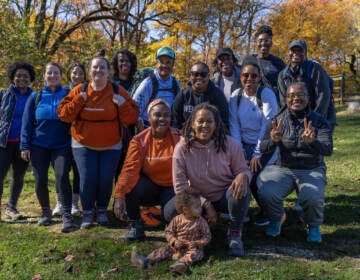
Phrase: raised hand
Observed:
(308, 135)
(275, 133)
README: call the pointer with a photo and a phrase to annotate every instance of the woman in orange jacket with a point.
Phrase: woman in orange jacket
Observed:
(96, 115)
(146, 177)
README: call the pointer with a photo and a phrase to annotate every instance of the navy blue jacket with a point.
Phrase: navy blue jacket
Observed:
(42, 127)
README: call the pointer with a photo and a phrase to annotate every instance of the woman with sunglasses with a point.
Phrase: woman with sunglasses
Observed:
(251, 109)
(199, 89)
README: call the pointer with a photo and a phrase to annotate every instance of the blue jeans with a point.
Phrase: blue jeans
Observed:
(11, 156)
(60, 160)
(97, 170)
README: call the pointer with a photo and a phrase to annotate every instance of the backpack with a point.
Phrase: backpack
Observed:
(331, 112)
(258, 97)
(142, 74)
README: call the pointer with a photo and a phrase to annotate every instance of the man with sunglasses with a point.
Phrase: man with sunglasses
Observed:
(199, 89)
(227, 73)
(304, 138)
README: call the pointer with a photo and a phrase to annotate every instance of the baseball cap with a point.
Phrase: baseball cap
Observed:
(167, 51)
(298, 43)
(222, 51)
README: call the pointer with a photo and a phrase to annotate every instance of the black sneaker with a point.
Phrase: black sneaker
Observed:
(136, 232)
(68, 223)
(45, 219)
(236, 247)
(261, 220)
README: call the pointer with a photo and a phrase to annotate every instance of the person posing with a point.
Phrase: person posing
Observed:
(165, 60)
(146, 177)
(251, 109)
(199, 90)
(304, 138)
(187, 235)
(12, 104)
(317, 81)
(45, 140)
(227, 73)
(124, 64)
(270, 65)
(96, 115)
(212, 162)
(76, 75)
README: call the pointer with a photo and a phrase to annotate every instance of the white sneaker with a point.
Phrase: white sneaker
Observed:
(58, 210)
(75, 205)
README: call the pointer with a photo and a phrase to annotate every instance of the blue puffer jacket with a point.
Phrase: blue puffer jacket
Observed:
(42, 127)
(8, 101)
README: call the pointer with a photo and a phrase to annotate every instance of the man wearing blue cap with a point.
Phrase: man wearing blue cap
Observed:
(313, 75)
(161, 84)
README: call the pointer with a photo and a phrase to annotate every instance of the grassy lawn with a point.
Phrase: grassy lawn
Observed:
(27, 250)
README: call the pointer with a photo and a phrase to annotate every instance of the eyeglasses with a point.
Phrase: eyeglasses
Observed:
(199, 74)
(292, 95)
(251, 75)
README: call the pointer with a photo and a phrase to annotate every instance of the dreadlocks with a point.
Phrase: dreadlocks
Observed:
(220, 130)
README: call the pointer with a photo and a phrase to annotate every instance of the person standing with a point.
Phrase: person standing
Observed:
(96, 116)
(227, 73)
(124, 64)
(304, 137)
(45, 140)
(12, 105)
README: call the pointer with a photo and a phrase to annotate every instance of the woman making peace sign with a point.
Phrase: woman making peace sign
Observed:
(304, 138)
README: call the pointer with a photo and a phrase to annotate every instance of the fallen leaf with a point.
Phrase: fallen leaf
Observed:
(113, 270)
(70, 269)
(36, 277)
(69, 258)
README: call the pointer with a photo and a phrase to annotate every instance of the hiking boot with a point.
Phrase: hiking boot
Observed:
(12, 214)
(75, 210)
(261, 220)
(58, 210)
(178, 268)
(102, 218)
(87, 219)
(236, 247)
(274, 228)
(68, 223)
(136, 232)
(45, 219)
(314, 235)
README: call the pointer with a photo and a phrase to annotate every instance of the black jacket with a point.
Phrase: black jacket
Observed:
(295, 153)
(185, 102)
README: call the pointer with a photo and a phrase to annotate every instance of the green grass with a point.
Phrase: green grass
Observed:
(27, 250)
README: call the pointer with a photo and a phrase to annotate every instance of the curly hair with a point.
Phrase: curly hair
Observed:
(220, 129)
(72, 66)
(188, 198)
(133, 61)
(20, 65)
(264, 29)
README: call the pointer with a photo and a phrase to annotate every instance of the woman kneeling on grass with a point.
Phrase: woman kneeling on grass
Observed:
(146, 177)
(212, 162)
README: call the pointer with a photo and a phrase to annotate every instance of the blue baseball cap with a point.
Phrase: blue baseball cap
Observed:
(298, 43)
(167, 51)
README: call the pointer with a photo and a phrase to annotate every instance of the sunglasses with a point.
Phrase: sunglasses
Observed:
(251, 75)
(292, 95)
(199, 74)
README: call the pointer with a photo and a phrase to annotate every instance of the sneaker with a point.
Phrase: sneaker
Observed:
(246, 219)
(236, 246)
(45, 219)
(68, 223)
(12, 214)
(136, 232)
(102, 218)
(75, 210)
(87, 219)
(314, 235)
(274, 228)
(58, 210)
(178, 268)
(261, 220)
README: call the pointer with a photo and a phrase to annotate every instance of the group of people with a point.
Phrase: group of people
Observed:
(260, 128)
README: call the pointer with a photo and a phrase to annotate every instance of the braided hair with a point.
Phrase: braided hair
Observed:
(220, 129)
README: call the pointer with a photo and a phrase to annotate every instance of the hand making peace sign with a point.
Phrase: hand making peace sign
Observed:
(308, 135)
(275, 133)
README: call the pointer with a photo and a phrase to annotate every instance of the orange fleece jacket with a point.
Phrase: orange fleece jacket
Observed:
(141, 147)
(95, 122)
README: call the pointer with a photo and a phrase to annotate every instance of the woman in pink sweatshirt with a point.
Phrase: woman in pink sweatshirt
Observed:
(212, 162)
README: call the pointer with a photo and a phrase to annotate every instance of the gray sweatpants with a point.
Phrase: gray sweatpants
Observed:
(276, 183)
